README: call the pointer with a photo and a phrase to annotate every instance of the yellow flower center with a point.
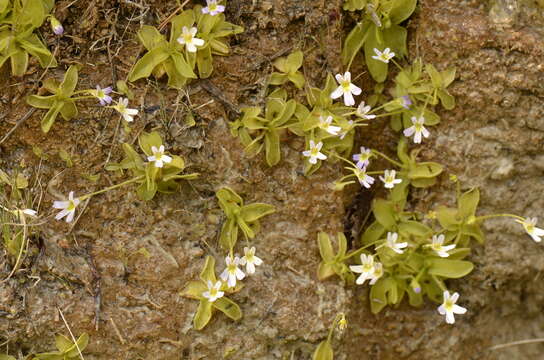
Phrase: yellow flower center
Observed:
(212, 6)
(213, 292)
(448, 305)
(71, 205)
(231, 268)
(345, 85)
(314, 151)
(418, 127)
(529, 227)
(188, 37)
(367, 267)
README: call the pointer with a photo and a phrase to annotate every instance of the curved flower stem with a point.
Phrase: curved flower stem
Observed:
(138, 178)
(387, 158)
(485, 217)
(331, 330)
(360, 250)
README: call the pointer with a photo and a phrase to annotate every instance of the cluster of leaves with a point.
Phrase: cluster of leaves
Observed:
(418, 270)
(173, 59)
(67, 350)
(283, 114)
(151, 179)
(61, 102)
(195, 289)
(18, 21)
(423, 88)
(378, 28)
(239, 216)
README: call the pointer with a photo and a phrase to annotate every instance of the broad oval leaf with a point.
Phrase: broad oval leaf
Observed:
(325, 246)
(384, 212)
(323, 351)
(144, 67)
(203, 314)
(68, 85)
(228, 307)
(468, 203)
(447, 268)
(256, 211)
(208, 271)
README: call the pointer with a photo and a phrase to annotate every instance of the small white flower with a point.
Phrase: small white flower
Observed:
(122, 108)
(449, 307)
(250, 260)
(391, 243)
(68, 207)
(438, 247)
(231, 272)
(417, 129)
(377, 273)
(346, 88)
(213, 292)
(159, 157)
(103, 95)
(364, 179)
(363, 158)
(363, 111)
(213, 8)
(314, 153)
(30, 212)
(529, 225)
(389, 179)
(384, 56)
(366, 269)
(326, 124)
(188, 39)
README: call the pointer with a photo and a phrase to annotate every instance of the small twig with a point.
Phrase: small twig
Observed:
(121, 339)
(163, 24)
(516, 343)
(22, 120)
(71, 335)
(218, 94)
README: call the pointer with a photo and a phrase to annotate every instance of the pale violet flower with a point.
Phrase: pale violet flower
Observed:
(68, 207)
(363, 158)
(363, 111)
(449, 308)
(188, 39)
(56, 26)
(366, 269)
(405, 102)
(389, 179)
(314, 153)
(103, 95)
(384, 56)
(326, 124)
(392, 243)
(364, 179)
(346, 88)
(213, 8)
(122, 108)
(529, 224)
(250, 260)
(159, 157)
(371, 9)
(231, 272)
(438, 246)
(377, 273)
(417, 129)
(213, 293)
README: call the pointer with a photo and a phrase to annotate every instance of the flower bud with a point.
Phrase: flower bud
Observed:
(56, 26)
(415, 286)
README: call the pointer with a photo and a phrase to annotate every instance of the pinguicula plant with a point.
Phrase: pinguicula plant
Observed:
(195, 36)
(324, 350)
(211, 294)
(18, 21)
(377, 33)
(64, 98)
(67, 349)
(239, 217)
(210, 290)
(16, 217)
(158, 171)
